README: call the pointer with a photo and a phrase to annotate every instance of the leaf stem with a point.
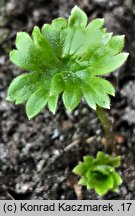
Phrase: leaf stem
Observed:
(110, 145)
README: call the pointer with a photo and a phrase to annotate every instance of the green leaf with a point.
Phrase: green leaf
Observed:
(23, 40)
(23, 86)
(91, 180)
(115, 162)
(94, 96)
(94, 37)
(109, 46)
(59, 23)
(83, 181)
(115, 45)
(32, 55)
(95, 24)
(55, 34)
(52, 103)
(80, 169)
(77, 18)
(88, 160)
(41, 43)
(36, 102)
(116, 181)
(71, 96)
(57, 84)
(74, 40)
(107, 64)
(88, 94)
(103, 84)
(102, 158)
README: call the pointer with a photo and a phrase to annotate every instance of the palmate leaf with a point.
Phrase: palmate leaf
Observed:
(99, 173)
(68, 58)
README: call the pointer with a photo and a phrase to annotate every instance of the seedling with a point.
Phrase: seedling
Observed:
(69, 58)
(65, 57)
(99, 173)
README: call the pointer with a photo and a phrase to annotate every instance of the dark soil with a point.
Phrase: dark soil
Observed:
(37, 156)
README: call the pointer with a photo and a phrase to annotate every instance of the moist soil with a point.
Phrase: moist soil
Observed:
(37, 156)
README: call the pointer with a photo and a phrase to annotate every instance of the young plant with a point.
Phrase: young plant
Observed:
(69, 58)
(99, 173)
(65, 57)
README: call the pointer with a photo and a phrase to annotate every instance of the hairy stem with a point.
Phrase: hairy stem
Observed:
(107, 127)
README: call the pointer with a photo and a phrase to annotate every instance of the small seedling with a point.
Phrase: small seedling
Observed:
(99, 173)
(69, 58)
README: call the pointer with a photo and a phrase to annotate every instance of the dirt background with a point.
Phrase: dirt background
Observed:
(37, 156)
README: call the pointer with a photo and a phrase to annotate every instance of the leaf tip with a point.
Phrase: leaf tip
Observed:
(53, 112)
(113, 93)
(93, 107)
(11, 54)
(74, 170)
(102, 20)
(18, 34)
(75, 8)
(126, 55)
(29, 116)
(78, 17)
(108, 106)
(8, 98)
